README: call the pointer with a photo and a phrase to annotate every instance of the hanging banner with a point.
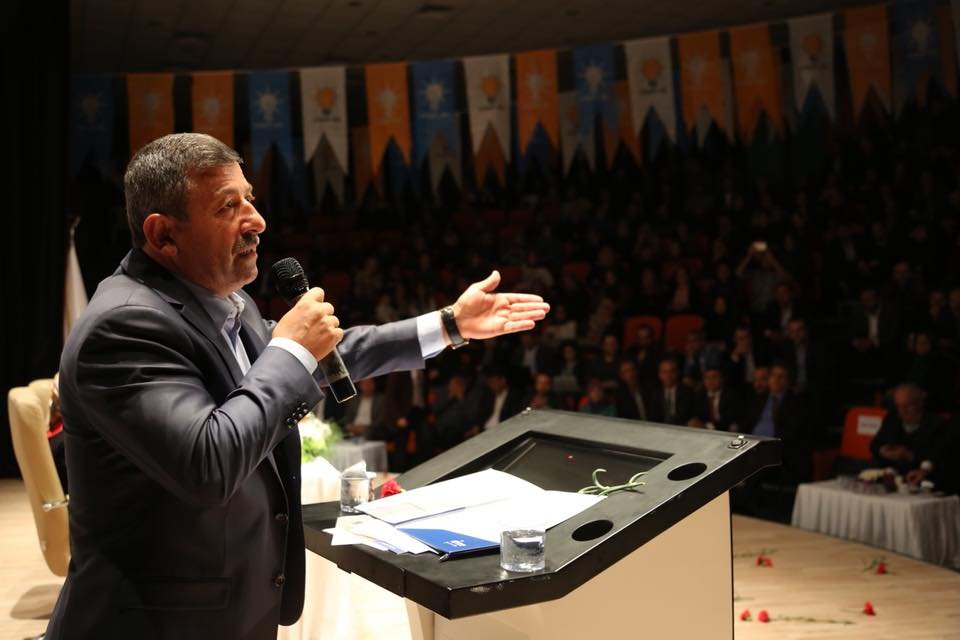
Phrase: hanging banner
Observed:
(756, 79)
(811, 49)
(948, 48)
(594, 78)
(434, 111)
(916, 50)
(363, 175)
(701, 82)
(323, 100)
(867, 48)
(211, 99)
(91, 121)
(444, 158)
(650, 74)
(537, 96)
(628, 136)
(326, 171)
(268, 94)
(388, 110)
(490, 157)
(488, 97)
(149, 107)
(572, 139)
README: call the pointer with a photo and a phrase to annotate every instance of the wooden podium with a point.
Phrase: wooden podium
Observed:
(652, 562)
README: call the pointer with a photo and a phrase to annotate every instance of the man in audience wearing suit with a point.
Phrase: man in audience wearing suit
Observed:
(670, 402)
(629, 396)
(745, 356)
(782, 413)
(181, 404)
(716, 406)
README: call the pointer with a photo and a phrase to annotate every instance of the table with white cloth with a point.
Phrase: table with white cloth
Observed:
(338, 605)
(348, 452)
(923, 526)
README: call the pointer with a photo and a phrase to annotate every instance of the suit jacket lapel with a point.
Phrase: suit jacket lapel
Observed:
(142, 268)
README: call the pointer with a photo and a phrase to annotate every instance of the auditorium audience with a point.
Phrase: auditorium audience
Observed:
(670, 402)
(716, 406)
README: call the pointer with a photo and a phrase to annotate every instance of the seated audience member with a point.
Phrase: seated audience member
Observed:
(629, 397)
(780, 311)
(561, 328)
(721, 321)
(543, 396)
(681, 297)
(762, 273)
(408, 440)
(647, 354)
(716, 406)
(876, 336)
(932, 371)
(533, 356)
(365, 413)
(595, 401)
(697, 357)
(744, 358)
(456, 415)
(670, 402)
(498, 400)
(605, 368)
(569, 379)
(807, 359)
(782, 413)
(55, 433)
(911, 439)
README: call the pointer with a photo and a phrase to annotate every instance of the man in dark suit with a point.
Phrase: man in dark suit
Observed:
(782, 413)
(181, 403)
(911, 439)
(670, 402)
(716, 406)
(876, 336)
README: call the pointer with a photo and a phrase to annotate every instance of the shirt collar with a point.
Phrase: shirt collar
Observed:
(223, 311)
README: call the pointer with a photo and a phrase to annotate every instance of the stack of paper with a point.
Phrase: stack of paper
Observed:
(458, 516)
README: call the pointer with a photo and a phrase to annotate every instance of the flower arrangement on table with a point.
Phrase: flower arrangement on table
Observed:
(316, 437)
(879, 480)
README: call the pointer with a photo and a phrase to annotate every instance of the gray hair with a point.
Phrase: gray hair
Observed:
(158, 177)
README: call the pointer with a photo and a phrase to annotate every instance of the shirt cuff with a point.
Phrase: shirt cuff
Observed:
(298, 351)
(430, 334)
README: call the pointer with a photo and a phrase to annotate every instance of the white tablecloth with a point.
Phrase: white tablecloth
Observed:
(336, 603)
(347, 452)
(922, 526)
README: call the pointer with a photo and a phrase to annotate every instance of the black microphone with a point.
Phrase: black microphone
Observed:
(291, 283)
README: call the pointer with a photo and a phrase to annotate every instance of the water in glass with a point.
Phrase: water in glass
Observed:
(522, 550)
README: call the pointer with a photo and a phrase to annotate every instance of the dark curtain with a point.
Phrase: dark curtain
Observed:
(33, 110)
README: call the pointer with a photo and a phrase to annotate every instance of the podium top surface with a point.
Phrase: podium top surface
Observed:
(685, 469)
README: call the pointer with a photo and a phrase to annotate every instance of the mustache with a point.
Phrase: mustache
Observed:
(245, 243)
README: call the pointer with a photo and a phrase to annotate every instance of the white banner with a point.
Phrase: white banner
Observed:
(488, 96)
(443, 158)
(324, 100)
(811, 49)
(650, 76)
(570, 139)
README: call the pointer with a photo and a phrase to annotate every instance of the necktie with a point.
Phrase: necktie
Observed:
(714, 411)
(233, 332)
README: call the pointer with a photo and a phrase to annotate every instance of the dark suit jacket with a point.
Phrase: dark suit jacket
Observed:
(791, 425)
(683, 405)
(185, 474)
(928, 442)
(730, 408)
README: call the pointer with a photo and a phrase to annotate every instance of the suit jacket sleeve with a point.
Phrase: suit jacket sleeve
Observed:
(148, 398)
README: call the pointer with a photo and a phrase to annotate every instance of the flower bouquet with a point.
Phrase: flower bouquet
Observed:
(878, 480)
(316, 437)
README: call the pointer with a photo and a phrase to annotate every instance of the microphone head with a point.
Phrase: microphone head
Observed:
(289, 279)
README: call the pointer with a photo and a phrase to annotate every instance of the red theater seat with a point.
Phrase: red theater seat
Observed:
(859, 427)
(677, 329)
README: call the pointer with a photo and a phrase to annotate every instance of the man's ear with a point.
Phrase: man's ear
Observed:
(158, 232)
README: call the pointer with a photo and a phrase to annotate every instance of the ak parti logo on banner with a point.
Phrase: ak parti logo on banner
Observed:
(867, 46)
(388, 111)
(701, 81)
(212, 105)
(756, 79)
(537, 96)
(150, 107)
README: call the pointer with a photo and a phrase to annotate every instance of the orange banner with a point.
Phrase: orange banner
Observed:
(363, 174)
(150, 107)
(756, 79)
(701, 78)
(212, 101)
(627, 135)
(490, 158)
(868, 54)
(948, 48)
(537, 96)
(388, 110)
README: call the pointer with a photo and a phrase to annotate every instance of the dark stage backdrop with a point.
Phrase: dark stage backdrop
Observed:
(33, 110)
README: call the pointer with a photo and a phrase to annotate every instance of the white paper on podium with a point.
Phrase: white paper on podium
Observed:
(464, 492)
(374, 533)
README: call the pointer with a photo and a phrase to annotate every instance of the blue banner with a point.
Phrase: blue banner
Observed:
(594, 77)
(915, 48)
(434, 110)
(91, 121)
(268, 95)
(538, 150)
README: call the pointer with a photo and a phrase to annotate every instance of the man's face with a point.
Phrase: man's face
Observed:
(797, 332)
(909, 405)
(869, 300)
(543, 384)
(694, 342)
(644, 337)
(497, 383)
(611, 345)
(742, 338)
(761, 379)
(628, 372)
(779, 380)
(712, 380)
(667, 373)
(217, 243)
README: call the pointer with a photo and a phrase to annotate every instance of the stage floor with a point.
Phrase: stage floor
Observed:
(812, 577)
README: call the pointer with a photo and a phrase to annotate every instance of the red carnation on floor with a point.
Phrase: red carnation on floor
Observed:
(389, 488)
(868, 608)
(745, 616)
(763, 617)
(764, 561)
(881, 568)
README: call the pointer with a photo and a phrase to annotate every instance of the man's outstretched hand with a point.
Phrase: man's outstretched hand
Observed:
(481, 312)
